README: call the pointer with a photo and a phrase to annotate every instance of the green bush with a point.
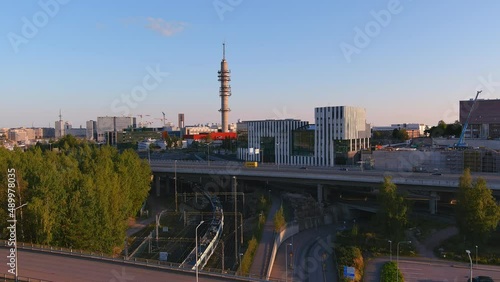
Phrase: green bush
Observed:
(279, 220)
(247, 259)
(389, 271)
(350, 256)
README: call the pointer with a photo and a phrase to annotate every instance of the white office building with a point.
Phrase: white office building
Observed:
(335, 138)
(60, 132)
(340, 132)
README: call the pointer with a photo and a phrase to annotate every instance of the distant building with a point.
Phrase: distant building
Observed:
(269, 141)
(206, 128)
(338, 135)
(59, 129)
(414, 130)
(215, 137)
(18, 135)
(107, 127)
(197, 129)
(48, 132)
(91, 132)
(181, 121)
(484, 121)
(75, 132)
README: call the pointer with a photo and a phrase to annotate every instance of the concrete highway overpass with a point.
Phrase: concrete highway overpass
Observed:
(317, 175)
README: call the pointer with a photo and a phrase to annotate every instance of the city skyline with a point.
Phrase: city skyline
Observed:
(403, 61)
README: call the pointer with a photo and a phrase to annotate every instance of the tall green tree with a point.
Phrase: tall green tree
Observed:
(477, 211)
(80, 196)
(393, 212)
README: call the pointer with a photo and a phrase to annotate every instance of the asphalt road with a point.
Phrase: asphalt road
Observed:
(310, 249)
(426, 270)
(271, 169)
(50, 267)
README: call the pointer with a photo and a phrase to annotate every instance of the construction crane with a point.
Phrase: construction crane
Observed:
(461, 144)
(140, 122)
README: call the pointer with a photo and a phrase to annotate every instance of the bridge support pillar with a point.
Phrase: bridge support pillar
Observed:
(157, 185)
(433, 202)
(320, 193)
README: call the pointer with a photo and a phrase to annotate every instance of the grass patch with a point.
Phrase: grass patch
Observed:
(454, 249)
(247, 259)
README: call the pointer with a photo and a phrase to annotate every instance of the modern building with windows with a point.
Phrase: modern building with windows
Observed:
(338, 134)
(484, 122)
(269, 141)
(107, 127)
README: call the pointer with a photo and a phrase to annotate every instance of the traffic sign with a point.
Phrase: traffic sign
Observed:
(349, 272)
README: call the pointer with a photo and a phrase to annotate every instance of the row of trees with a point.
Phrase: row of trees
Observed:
(477, 212)
(445, 130)
(80, 196)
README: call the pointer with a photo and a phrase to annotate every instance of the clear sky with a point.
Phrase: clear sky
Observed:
(409, 61)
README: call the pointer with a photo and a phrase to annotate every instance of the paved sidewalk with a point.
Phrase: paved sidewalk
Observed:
(156, 205)
(263, 253)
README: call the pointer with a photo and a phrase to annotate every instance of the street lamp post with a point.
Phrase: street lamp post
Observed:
(390, 249)
(470, 259)
(175, 185)
(149, 153)
(278, 154)
(208, 155)
(241, 270)
(158, 217)
(196, 249)
(476, 255)
(261, 152)
(15, 245)
(235, 189)
(286, 261)
(397, 258)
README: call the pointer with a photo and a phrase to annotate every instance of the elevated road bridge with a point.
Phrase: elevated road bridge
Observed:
(322, 179)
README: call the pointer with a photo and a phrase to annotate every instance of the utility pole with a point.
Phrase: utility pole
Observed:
(222, 241)
(235, 221)
(175, 185)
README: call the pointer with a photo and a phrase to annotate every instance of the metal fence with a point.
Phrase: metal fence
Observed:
(106, 258)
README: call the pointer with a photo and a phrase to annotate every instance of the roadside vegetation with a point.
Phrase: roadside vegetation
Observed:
(389, 272)
(279, 220)
(389, 223)
(477, 215)
(263, 206)
(79, 196)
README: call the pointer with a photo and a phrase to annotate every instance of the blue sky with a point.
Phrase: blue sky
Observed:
(286, 58)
